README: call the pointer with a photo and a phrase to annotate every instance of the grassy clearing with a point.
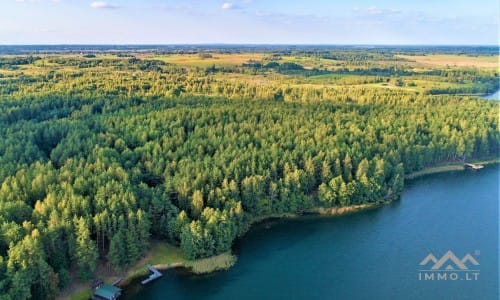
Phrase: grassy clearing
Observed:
(338, 79)
(420, 85)
(384, 85)
(82, 295)
(162, 254)
(76, 291)
(308, 62)
(433, 84)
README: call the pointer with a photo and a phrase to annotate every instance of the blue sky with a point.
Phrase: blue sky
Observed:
(249, 21)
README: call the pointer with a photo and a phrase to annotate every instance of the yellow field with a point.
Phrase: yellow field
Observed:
(455, 60)
(216, 59)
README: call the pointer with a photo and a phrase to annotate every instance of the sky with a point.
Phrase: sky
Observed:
(426, 22)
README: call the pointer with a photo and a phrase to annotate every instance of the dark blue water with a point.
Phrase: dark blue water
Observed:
(369, 255)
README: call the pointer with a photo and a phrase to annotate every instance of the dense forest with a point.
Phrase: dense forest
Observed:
(100, 153)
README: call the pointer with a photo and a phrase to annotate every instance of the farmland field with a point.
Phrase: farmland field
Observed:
(456, 60)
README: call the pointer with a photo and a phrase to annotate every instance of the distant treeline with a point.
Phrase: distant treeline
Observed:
(245, 48)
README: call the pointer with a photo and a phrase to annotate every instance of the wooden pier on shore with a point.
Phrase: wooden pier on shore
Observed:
(474, 166)
(155, 275)
(117, 281)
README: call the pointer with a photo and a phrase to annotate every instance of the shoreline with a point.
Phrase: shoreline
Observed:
(227, 260)
(449, 166)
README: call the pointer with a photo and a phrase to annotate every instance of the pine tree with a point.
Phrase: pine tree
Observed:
(117, 253)
(86, 250)
(326, 172)
(197, 203)
(143, 226)
(132, 240)
(347, 168)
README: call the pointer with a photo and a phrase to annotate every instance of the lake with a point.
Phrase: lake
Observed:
(494, 96)
(374, 254)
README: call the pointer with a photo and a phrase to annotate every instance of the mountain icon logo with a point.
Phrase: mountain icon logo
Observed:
(449, 261)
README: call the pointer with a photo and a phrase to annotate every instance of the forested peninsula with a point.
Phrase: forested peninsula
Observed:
(103, 150)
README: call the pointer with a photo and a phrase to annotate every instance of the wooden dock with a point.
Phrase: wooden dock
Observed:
(474, 166)
(117, 281)
(155, 275)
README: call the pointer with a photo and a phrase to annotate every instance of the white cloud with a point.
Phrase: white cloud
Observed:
(28, 1)
(228, 5)
(375, 11)
(101, 4)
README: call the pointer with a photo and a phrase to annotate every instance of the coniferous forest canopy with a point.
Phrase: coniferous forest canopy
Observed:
(103, 149)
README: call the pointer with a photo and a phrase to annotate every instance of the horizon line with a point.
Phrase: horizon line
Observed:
(239, 44)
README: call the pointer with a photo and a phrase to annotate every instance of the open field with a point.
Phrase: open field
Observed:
(221, 60)
(455, 60)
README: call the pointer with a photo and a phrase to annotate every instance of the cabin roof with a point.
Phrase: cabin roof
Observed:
(107, 291)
